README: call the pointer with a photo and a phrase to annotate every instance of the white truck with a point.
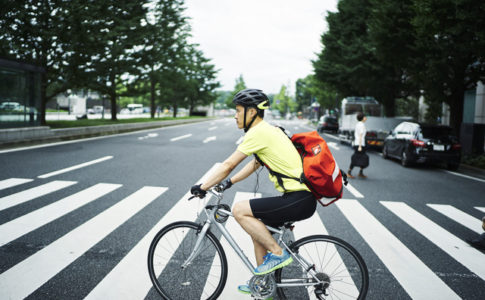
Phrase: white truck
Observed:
(378, 127)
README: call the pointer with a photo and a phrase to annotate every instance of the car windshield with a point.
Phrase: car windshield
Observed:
(434, 132)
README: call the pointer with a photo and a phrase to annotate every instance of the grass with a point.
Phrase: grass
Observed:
(477, 161)
(98, 122)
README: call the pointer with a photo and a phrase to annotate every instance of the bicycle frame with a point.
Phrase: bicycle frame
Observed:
(210, 212)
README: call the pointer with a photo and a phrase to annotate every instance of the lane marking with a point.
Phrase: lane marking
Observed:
(469, 257)
(148, 136)
(31, 221)
(212, 128)
(25, 277)
(464, 176)
(331, 136)
(75, 167)
(7, 183)
(35, 192)
(419, 281)
(480, 208)
(238, 272)
(130, 275)
(211, 138)
(354, 191)
(240, 140)
(333, 145)
(180, 137)
(315, 226)
(459, 216)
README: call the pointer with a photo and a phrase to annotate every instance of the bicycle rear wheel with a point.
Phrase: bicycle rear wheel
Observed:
(334, 261)
(204, 278)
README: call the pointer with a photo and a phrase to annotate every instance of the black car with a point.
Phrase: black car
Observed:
(327, 122)
(421, 143)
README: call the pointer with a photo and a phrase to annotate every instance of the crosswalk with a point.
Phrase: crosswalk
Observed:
(130, 277)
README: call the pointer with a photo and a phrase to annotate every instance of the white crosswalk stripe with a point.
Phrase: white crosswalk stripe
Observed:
(130, 276)
(24, 278)
(22, 225)
(35, 192)
(459, 216)
(471, 258)
(11, 182)
(397, 257)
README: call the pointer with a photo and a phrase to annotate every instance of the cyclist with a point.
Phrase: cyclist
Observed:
(274, 149)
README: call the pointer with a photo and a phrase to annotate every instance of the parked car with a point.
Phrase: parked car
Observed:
(327, 122)
(421, 143)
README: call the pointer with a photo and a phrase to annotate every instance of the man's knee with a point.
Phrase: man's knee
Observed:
(241, 209)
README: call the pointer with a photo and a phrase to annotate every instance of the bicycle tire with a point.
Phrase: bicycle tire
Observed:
(169, 249)
(347, 272)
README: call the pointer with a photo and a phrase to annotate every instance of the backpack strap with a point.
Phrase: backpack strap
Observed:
(279, 176)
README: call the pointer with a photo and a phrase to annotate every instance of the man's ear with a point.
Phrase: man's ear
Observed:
(253, 111)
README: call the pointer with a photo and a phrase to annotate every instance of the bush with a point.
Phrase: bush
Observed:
(477, 161)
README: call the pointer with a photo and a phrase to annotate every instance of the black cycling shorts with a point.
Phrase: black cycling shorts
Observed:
(292, 206)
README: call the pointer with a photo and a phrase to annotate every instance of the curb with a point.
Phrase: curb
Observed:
(16, 137)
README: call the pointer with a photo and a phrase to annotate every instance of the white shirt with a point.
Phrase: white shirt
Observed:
(359, 129)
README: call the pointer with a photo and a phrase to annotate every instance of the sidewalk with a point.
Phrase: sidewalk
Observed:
(16, 137)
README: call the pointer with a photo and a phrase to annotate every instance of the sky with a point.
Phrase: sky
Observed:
(270, 42)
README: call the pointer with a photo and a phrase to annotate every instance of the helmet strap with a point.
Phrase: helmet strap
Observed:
(246, 128)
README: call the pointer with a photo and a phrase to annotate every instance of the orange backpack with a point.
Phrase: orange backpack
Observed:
(321, 173)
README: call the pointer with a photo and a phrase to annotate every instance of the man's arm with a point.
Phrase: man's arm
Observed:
(248, 169)
(224, 170)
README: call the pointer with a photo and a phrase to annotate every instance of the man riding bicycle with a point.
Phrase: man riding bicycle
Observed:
(272, 147)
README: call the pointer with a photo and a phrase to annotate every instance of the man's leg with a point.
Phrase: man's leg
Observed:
(256, 229)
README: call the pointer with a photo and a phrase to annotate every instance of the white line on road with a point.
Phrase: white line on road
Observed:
(459, 216)
(418, 281)
(24, 224)
(464, 176)
(25, 277)
(7, 183)
(331, 136)
(130, 275)
(35, 192)
(211, 138)
(212, 128)
(354, 191)
(240, 140)
(333, 145)
(480, 208)
(180, 137)
(75, 167)
(471, 258)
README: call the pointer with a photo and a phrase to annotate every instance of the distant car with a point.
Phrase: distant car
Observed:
(327, 122)
(421, 143)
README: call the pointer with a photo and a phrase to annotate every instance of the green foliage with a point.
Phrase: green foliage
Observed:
(477, 161)
(240, 85)
(283, 102)
(309, 89)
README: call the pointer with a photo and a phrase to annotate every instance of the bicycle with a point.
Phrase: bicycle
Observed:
(187, 261)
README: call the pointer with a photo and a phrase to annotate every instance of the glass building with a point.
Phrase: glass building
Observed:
(20, 87)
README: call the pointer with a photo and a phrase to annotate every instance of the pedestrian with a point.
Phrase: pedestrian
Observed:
(479, 242)
(359, 158)
(272, 147)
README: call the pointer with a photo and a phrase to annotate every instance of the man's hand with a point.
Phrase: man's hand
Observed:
(197, 191)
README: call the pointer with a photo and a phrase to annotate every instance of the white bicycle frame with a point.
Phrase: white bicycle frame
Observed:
(210, 212)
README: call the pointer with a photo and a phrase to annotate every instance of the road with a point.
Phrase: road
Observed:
(76, 218)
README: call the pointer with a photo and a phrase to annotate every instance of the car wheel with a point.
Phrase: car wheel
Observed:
(453, 166)
(384, 152)
(404, 159)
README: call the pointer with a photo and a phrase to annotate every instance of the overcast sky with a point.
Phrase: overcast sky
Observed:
(269, 42)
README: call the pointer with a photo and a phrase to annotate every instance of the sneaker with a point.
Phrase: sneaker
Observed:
(273, 262)
(361, 175)
(244, 289)
(350, 176)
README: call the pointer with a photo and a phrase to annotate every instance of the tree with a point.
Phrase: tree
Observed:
(283, 102)
(240, 85)
(451, 41)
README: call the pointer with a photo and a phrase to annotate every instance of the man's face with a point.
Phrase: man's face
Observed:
(251, 112)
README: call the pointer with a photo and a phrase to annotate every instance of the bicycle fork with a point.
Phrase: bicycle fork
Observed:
(197, 248)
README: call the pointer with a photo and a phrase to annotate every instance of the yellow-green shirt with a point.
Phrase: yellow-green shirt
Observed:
(276, 150)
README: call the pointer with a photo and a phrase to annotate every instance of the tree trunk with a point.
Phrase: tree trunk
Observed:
(43, 98)
(152, 97)
(456, 110)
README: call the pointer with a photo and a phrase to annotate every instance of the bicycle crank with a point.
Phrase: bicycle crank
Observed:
(262, 286)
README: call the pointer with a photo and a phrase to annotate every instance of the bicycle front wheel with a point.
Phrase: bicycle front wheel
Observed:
(204, 278)
(334, 261)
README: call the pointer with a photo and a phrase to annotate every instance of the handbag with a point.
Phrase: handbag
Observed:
(360, 159)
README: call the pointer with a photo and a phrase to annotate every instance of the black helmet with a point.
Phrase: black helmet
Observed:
(251, 97)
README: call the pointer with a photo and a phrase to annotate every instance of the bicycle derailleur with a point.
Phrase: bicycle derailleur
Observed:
(262, 286)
